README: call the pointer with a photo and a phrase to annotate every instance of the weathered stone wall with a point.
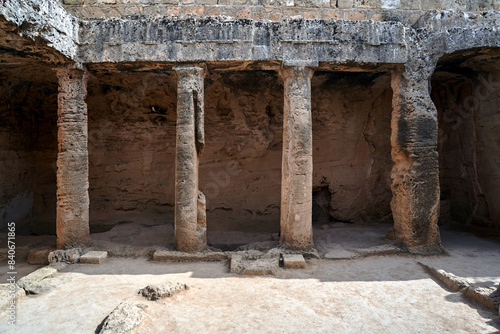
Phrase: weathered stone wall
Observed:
(28, 149)
(376, 10)
(467, 98)
(352, 148)
(132, 147)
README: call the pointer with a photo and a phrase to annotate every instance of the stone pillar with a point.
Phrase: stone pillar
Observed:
(190, 222)
(415, 175)
(72, 159)
(296, 178)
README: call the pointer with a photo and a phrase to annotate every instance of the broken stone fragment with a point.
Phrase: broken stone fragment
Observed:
(124, 317)
(42, 280)
(167, 289)
(65, 255)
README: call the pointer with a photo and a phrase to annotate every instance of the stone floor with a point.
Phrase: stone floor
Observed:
(377, 294)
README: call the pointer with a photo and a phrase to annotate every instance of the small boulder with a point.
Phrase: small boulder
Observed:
(124, 317)
(167, 289)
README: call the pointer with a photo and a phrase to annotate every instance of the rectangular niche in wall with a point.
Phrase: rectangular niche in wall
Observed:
(240, 168)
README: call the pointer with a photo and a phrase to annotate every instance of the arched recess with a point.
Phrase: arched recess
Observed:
(466, 92)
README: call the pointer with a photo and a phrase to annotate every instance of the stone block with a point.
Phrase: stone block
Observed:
(39, 255)
(162, 256)
(261, 267)
(206, 2)
(248, 265)
(340, 254)
(411, 5)
(294, 261)
(343, 4)
(496, 4)
(354, 16)
(73, 2)
(331, 14)
(368, 3)
(245, 13)
(94, 257)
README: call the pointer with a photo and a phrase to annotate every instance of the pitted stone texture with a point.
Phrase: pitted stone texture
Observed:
(162, 256)
(42, 280)
(255, 262)
(296, 183)
(190, 220)
(94, 257)
(7, 294)
(124, 317)
(39, 255)
(72, 159)
(340, 254)
(293, 42)
(415, 175)
(294, 261)
(45, 21)
(65, 255)
(167, 289)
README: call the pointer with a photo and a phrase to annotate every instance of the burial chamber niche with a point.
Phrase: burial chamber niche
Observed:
(28, 147)
(466, 92)
(132, 117)
(240, 168)
(351, 147)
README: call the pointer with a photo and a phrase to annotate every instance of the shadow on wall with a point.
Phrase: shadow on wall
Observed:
(28, 148)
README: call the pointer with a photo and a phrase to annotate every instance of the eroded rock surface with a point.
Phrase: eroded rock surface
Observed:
(167, 289)
(124, 317)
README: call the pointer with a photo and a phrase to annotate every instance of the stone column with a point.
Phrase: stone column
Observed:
(415, 175)
(190, 222)
(72, 159)
(296, 178)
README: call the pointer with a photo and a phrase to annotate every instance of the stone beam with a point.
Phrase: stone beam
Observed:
(296, 180)
(190, 221)
(415, 175)
(72, 159)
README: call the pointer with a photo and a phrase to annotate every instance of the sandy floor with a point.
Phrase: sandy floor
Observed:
(383, 294)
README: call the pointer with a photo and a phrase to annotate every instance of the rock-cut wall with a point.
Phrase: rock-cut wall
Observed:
(132, 148)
